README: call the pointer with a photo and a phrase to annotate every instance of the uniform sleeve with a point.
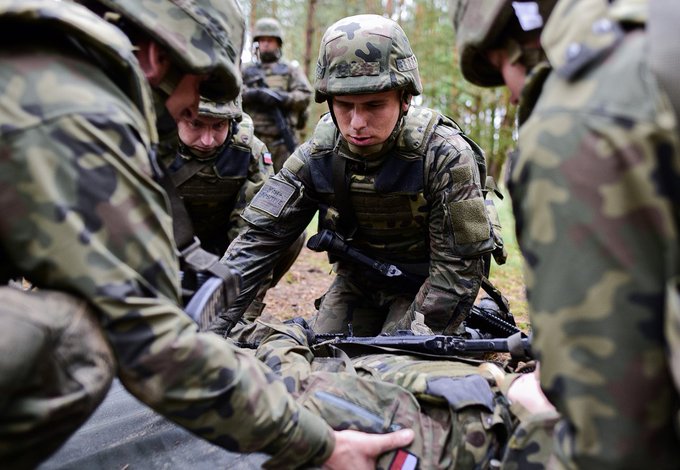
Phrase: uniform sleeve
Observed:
(299, 91)
(276, 217)
(460, 233)
(79, 216)
(596, 203)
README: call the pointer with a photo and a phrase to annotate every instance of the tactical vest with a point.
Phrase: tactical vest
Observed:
(211, 193)
(390, 207)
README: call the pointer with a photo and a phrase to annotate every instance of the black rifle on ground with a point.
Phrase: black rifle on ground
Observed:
(252, 78)
(518, 345)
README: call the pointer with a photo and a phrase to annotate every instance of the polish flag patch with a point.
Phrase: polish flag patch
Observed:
(267, 158)
(404, 460)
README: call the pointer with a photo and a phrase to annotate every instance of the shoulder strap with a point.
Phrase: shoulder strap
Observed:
(664, 18)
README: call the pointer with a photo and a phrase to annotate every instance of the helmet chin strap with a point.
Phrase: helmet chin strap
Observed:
(377, 150)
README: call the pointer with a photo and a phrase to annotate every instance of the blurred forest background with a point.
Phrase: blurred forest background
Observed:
(485, 114)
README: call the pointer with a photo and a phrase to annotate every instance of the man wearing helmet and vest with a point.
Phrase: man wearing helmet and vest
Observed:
(399, 183)
(219, 166)
(276, 92)
(594, 190)
(85, 222)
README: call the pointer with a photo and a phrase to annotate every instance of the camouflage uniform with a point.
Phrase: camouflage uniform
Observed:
(460, 416)
(83, 220)
(419, 204)
(287, 79)
(595, 193)
(218, 188)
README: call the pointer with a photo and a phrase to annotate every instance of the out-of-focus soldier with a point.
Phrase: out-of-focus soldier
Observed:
(596, 200)
(276, 92)
(85, 222)
(398, 183)
(220, 165)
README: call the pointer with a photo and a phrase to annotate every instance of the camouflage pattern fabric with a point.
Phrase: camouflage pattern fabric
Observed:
(73, 366)
(461, 419)
(202, 36)
(288, 79)
(432, 215)
(82, 215)
(596, 199)
(365, 54)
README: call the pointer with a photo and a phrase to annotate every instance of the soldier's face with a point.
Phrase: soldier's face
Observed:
(514, 73)
(201, 133)
(268, 44)
(366, 120)
(185, 96)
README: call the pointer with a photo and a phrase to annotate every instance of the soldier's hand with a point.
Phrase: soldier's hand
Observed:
(359, 450)
(262, 97)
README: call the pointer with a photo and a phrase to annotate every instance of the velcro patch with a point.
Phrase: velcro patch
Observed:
(357, 69)
(273, 197)
(409, 63)
(469, 221)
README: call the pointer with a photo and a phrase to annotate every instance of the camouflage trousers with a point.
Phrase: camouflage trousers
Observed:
(371, 305)
(55, 369)
(460, 417)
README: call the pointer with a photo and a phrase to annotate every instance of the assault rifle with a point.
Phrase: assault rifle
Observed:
(518, 345)
(253, 78)
(496, 322)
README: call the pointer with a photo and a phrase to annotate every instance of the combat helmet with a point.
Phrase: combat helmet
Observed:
(202, 36)
(268, 27)
(480, 26)
(365, 54)
(221, 109)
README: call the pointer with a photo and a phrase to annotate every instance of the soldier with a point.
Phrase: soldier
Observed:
(594, 190)
(276, 93)
(219, 166)
(400, 183)
(84, 221)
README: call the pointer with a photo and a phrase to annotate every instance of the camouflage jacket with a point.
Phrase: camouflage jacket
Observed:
(82, 214)
(223, 184)
(280, 75)
(595, 193)
(420, 204)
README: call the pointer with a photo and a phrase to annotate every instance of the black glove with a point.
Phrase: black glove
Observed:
(262, 97)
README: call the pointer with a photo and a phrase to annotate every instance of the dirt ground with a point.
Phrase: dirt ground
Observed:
(294, 295)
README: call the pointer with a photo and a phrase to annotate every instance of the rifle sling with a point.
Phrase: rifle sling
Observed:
(188, 170)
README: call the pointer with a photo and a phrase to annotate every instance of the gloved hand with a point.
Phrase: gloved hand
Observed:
(262, 97)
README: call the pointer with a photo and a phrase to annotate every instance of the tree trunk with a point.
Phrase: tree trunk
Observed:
(309, 37)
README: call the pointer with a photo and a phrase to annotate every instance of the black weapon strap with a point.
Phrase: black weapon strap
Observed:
(188, 170)
(347, 224)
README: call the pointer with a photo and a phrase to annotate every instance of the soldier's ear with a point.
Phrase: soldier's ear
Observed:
(405, 102)
(153, 60)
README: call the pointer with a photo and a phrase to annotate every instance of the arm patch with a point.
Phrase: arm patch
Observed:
(273, 197)
(469, 221)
